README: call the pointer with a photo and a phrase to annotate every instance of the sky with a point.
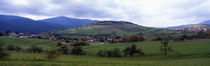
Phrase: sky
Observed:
(152, 13)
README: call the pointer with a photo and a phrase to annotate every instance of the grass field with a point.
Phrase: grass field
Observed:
(188, 53)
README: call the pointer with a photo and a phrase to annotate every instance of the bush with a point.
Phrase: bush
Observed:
(102, 53)
(13, 48)
(110, 53)
(77, 50)
(64, 50)
(133, 51)
(35, 49)
(3, 54)
(52, 54)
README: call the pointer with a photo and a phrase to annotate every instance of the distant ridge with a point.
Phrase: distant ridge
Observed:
(67, 22)
(22, 24)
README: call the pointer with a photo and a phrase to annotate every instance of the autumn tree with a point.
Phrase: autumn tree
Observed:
(59, 43)
(133, 38)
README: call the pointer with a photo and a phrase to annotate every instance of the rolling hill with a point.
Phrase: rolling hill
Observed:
(121, 28)
(21, 24)
(67, 22)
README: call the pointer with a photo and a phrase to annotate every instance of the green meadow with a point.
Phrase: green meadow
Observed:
(188, 53)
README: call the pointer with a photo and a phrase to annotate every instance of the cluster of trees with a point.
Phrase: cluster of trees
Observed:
(183, 37)
(133, 38)
(131, 51)
(109, 53)
(77, 50)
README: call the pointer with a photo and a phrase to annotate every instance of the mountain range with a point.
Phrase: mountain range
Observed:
(85, 26)
(22, 24)
(67, 22)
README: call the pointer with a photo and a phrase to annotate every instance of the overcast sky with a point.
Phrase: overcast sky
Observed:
(153, 13)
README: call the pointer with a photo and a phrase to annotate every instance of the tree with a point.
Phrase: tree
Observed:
(59, 43)
(164, 47)
(209, 34)
(3, 54)
(133, 51)
(1, 34)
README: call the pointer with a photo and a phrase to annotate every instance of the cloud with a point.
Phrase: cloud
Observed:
(154, 13)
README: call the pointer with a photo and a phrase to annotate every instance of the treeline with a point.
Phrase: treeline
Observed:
(184, 36)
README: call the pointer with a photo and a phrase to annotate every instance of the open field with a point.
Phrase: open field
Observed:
(188, 53)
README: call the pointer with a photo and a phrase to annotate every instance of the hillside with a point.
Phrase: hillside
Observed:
(67, 22)
(21, 24)
(121, 28)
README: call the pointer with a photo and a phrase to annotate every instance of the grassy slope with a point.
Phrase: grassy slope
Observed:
(190, 53)
(121, 30)
(25, 43)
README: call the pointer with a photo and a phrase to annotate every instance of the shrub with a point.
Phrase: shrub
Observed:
(64, 50)
(52, 54)
(3, 54)
(35, 49)
(110, 53)
(77, 50)
(102, 53)
(133, 51)
(13, 48)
